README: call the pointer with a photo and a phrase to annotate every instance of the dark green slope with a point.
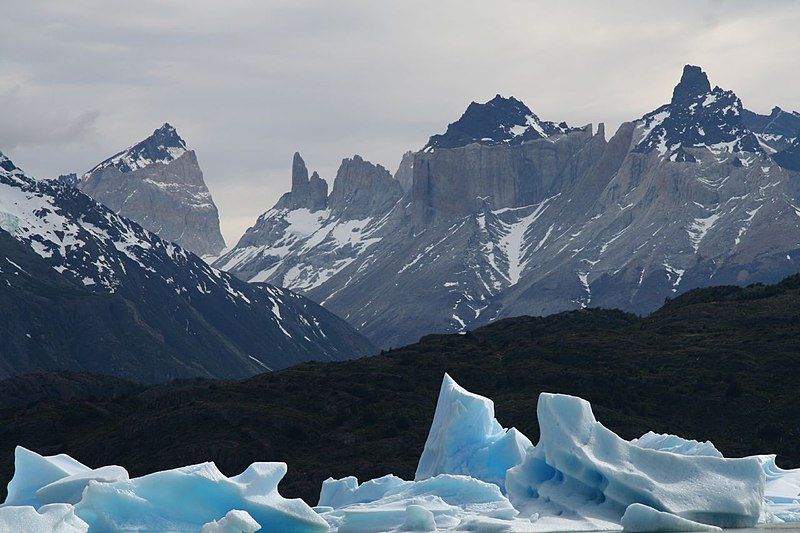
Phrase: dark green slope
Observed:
(720, 364)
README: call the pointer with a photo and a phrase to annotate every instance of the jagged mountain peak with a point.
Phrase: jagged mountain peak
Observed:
(694, 82)
(697, 116)
(162, 146)
(311, 194)
(299, 172)
(501, 120)
(6, 163)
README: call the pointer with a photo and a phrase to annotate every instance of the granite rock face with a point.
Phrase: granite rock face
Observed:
(307, 193)
(158, 183)
(362, 189)
(510, 215)
(405, 171)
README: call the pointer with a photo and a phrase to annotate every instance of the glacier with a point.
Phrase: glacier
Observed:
(473, 475)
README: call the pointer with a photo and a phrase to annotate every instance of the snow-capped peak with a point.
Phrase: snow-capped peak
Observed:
(10, 171)
(697, 116)
(499, 121)
(163, 146)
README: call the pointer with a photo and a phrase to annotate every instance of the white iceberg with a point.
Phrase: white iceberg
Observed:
(185, 499)
(447, 499)
(39, 479)
(465, 438)
(581, 475)
(337, 493)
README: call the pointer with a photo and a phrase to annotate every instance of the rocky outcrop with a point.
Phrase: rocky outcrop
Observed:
(69, 179)
(776, 130)
(405, 171)
(789, 157)
(309, 193)
(158, 183)
(362, 189)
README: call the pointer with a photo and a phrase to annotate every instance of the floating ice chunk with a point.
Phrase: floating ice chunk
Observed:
(33, 471)
(640, 518)
(53, 518)
(337, 493)
(580, 468)
(465, 438)
(233, 522)
(185, 499)
(449, 498)
(675, 444)
(418, 519)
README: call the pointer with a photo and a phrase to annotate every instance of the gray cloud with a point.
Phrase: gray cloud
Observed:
(248, 83)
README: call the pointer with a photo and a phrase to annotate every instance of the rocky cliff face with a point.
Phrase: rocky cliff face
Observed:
(405, 171)
(509, 215)
(158, 183)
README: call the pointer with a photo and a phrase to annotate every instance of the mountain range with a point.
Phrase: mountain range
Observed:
(85, 289)
(506, 214)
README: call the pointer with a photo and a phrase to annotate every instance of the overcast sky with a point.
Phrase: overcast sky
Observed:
(248, 83)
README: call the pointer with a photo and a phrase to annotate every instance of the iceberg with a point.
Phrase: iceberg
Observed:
(582, 471)
(473, 475)
(187, 498)
(337, 493)
(39, 480)
(465, 438)
(446, 499)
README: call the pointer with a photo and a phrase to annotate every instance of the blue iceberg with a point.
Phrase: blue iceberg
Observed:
(473, 475)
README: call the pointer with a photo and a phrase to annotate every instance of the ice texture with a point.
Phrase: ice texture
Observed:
(233, 522)
(583, 470)
(337, 493)
(675, 444)
(448, 498)
(418, 519)
(640, 518)
(782, 492)
(184, 499)
(465, 438)
(473, 475)
(54, 518)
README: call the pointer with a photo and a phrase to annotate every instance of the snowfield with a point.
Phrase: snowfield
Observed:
(474, 475)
